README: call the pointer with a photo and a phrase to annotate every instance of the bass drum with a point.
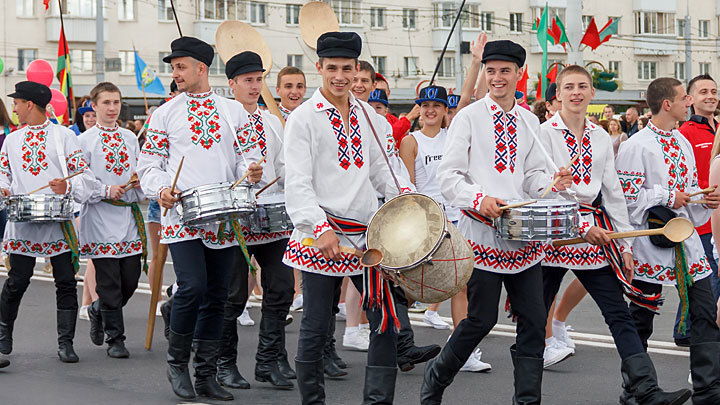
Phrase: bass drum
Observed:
(424, 252)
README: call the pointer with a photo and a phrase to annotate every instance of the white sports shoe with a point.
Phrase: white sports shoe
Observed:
(244, 319)
(474, 364)
(690, 378)
(157, 310)
(417, 307)
(365, 332)
(356, 341)
(555, 352)
(297, 303)
(83, 313)
(342, 314)
(561, 335)
(435, 321)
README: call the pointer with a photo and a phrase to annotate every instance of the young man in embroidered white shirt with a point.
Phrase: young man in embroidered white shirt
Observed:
(491, 156)
(657, 171)
(34, 156)
(333, 167)
(112, 229)
(290, 88)
(203, 128)
(602, 266)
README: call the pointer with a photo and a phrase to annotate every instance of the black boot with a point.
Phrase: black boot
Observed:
(408, 355)
(311, 381)
(332, 360)
(227, 371)
(205, 364)
(439, 373)
(283, 363)
(6, 340)
(165, 309)
(379, 385)
(705, 369)
(96, 324)
(4, 363)
(640, 382)
(178, 357)
(416, 355)
(266, 366)
(115, 329)
(528, 380)
(66, 319)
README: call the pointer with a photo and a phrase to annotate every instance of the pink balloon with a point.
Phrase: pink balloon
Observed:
(59, 102)
(40, 71)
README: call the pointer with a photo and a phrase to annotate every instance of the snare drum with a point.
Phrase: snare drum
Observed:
(428, 257)
(215, 203)
(40, 208)
(270, 215)
(541, 221)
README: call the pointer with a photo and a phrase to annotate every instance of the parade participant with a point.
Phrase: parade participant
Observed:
(552, 103)
(314, 168)
(379, 101)
(290, 88)
(401, 125)
(452, 100)
(203, 128)
(244, 73)
(112, 229)
(602, 266)
(515, 169)
(31, 157)
(86, 120)
(657, 169)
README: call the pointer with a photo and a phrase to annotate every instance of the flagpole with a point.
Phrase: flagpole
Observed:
(543, 79)
(67, 62)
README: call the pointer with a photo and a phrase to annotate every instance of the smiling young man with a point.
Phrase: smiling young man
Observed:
(328, 143)
(658, 173)
(492, 156)
(599, 263)
(290, 88)
(112, 231)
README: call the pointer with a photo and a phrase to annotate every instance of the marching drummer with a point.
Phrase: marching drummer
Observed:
(490, 156)
(34, 156)
(112, 229)
(203, 128)
(290, 87)
(244, 73)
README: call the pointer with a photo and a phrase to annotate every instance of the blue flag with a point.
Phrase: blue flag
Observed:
(146, 78)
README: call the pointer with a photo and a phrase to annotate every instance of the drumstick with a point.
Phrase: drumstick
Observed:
(704, 191)
(174, 183)
(548, 188)
(345, 249)
(247, 173)
(155, 292)
(63, 179)
(516, 205)
(266, 187)
(701, 201)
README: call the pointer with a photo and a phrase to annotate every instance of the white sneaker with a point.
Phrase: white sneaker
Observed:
(157, 309)
(555, 352)
(244, 319)
(435, 321)
(251, 304)
(83, 313)
(690, 378)
(474, 364)
(365, 332)
(417, 307)
(343, 311)
(297, 303)
(356, 341)
(561, 335)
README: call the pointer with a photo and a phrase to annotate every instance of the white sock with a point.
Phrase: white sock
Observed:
(351, 330)
(364, 326)
(430, 313)
(558, 324)
(549, 341)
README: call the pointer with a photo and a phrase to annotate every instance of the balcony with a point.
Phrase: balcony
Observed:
(552, 49)
(655, 45)
(439, 36)
(77, 29)
(660, 6)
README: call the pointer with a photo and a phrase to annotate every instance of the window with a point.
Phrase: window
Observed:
(647, 22)
(515, 22)
(647, 70)
(165, 11)
(443, 14)
(703, 28)
(25, 56)
(217, 67)
(586, 21)
(486, 21)
(681, 32)
(409, 17)
(679, 70)
(347, 11)
(379, 62)
(377, 17)
(295, 60)
(704, 68)
(127, 62)
(614, 66)
(126, 9)
(410, 66)
(292, 14)
(553, 11)
(76, 8)
(247, 11)
(82, 60)
(163, 67)
(25, 8)
(447, 67)
(471, 16)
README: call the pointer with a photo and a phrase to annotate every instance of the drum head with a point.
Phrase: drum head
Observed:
(407, 230)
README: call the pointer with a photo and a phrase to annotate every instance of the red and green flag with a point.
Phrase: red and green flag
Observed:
(557, 32)
(592, 36)
(542, 38)
(610, 29)
(63, 75)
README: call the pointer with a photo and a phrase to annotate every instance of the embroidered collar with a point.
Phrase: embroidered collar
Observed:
(107, 129)
(657, 130)
(283, 109)
(494, 108)
(556, 122)
(41, 126)
(200, 95)
(320, 103)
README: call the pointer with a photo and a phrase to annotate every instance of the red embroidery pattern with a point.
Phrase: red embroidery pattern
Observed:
(256, 135)
(667, 274)
(320, 229)
(476, 201)
(342, 138)
(209, 237)
(631, 182)
(263, 237)
(675, 161)
(28, 246)
(574, 257)
(310, 259)
(33, 149)
(581, 168)
(204, 120)
(117, 158)
(111, 249)
(508, 260)
(4, 164)
(156, 143)
(76, 162)
(505, 129)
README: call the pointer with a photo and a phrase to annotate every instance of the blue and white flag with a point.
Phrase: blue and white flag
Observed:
(146, 78)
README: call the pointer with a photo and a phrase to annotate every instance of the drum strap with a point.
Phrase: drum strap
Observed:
(349, 226)
(237, 229)
(139, 221)
(472, 214)
(68, 230)
(612, 253)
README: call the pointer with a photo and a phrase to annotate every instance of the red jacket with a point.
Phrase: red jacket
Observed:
(400, 127)
(701, 135)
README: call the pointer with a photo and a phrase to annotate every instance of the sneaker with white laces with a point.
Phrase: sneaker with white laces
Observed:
(356, 341)
(561, 335)
(474, 364)
(365, 332)
(417, 307)
(244, 319)
(83, 313)
(555, 352)
(433, 319)
(297, 303)
(342, 313)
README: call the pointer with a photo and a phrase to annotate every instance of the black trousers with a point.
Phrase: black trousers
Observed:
(525, 292)
(702, 308)
(319, 295)
(604, 288)
(21, 269)
(117, 280)
(202, 276)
